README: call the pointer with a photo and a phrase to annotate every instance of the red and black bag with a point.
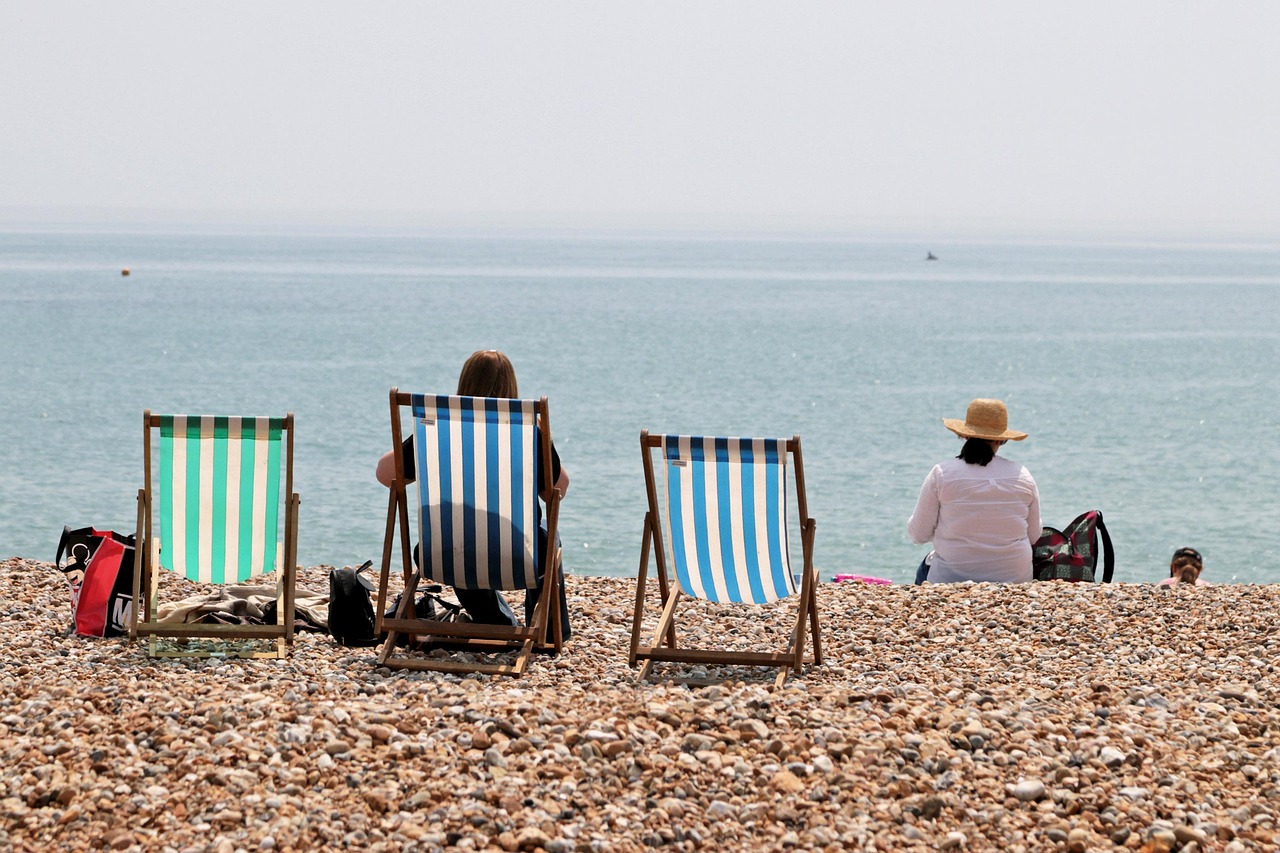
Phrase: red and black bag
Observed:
(100, 570)
(1072, 554)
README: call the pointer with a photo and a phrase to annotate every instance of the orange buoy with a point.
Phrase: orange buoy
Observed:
(124, 271)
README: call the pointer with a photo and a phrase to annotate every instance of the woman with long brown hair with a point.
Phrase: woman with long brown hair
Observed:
(489, 373)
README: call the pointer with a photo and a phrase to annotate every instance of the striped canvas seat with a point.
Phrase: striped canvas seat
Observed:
(478, 462)
(217, 495)
(726, 504)
(477, 482)
(719, 523)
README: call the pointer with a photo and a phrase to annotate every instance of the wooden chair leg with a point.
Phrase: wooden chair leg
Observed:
(402, 612)
(664, 584)
(139, 566)
(557, 617)
(522, 658)
(664, 626)
(291, 567)
(809, 592)
(544, 608)
(641, 576)
(814, 628)
(552, 635)
(406, 550)
(152, 581)
(388, 541)
(796, 646)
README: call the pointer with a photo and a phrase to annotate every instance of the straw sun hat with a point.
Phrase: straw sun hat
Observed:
(987, 419)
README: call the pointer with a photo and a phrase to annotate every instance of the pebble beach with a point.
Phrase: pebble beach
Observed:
(961, 717)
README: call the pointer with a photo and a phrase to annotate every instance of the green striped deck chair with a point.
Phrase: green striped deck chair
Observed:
(718, 523)
(218, 486)
(477, 464)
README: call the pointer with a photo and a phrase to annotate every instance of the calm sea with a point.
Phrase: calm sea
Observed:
(1146, 374)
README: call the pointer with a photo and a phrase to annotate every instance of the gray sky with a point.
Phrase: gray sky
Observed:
(1151, 115)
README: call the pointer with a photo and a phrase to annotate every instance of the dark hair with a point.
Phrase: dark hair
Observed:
(1186, 565)
(977, 451)
(488, 373)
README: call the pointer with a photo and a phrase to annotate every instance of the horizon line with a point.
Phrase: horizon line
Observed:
(702, 224)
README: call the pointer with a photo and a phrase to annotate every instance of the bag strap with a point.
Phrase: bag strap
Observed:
(1108, 553)
(452, 610)
(361, 579)
(62, 545)
(91, 532)
(67, 533)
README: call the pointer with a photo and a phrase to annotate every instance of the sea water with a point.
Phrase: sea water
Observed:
(1145, 373)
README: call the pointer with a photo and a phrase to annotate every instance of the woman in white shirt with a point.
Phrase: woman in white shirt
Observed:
(980, 511)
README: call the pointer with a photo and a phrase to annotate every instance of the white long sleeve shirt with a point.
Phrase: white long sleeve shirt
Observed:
(981, 520)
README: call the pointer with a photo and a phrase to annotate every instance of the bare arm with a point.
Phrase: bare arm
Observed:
(562, 486)
(386, 471)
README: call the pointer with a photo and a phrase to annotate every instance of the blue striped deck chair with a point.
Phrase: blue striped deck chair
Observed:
(210, 512)
(718, 522)
(476, 476)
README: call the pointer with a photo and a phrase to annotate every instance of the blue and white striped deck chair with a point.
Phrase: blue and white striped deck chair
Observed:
(718, 522)
(476, 471)
(218, 491)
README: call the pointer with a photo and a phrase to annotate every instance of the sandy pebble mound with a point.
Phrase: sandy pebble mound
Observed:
(1038, 717)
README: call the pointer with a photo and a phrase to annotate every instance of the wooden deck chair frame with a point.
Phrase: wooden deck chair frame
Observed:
(663, 646)
(543, 634)
(242, 641)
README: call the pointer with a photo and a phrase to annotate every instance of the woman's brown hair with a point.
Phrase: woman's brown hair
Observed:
(1186, 565)
(488, 373)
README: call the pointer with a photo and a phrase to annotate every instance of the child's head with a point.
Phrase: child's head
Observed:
(1186, 565)
(488, 373)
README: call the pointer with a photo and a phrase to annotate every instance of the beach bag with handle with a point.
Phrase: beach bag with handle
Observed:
(1071, 554)
(351, 619)
(99, 568)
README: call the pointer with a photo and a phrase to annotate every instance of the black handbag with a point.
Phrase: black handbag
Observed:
(351, 619)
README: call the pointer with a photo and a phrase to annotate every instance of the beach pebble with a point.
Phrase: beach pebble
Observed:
(532, 838)
(787, 782)
(1111, 756)
(720, 809)
(1189, 834)
(1028, 790)
(986, 735)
